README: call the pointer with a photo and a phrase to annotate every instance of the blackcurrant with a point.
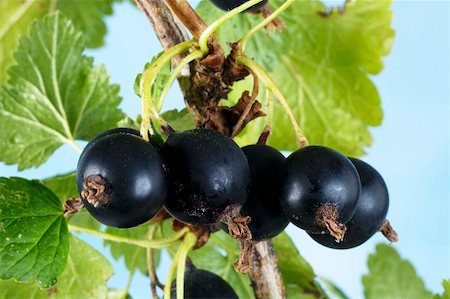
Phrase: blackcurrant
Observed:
(203, 284)
(121, 179)
(370, 213)
(207, 173)
(231, 4)
(320, 190)
(263, 202)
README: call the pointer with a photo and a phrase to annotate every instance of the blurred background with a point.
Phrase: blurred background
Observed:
(411, 148)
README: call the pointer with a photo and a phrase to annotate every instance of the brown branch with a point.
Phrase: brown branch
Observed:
(265, 275)
(203, 88)
(188, 16)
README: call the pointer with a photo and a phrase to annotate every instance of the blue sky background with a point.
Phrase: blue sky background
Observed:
(411, 148)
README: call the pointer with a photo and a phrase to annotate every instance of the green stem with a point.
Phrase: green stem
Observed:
(265, 78)
(142, 243)
(204, 37)
(149, 110)
(171, 274)
(194, 55)
(189, 242)
(243, 41)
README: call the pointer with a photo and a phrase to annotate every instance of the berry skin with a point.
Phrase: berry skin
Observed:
(320, 190)
(231, 4)
(203, 284)
(121, 179)
(373, 204)
(207, 173)
(263, 203)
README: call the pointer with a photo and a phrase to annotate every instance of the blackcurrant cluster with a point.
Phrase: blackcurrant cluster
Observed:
(199, 174)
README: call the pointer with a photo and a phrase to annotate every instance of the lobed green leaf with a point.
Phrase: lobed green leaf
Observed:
(54, 95)
(85, 276)
(17, 15)
(390, 276)
(322, 65)
(34, 239)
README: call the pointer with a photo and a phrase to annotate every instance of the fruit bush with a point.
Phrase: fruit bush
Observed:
(206, 183)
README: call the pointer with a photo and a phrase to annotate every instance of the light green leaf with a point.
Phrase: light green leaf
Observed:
(17, 15)
(298, 276)
(118, 294)
(135, 257)
(179, 120)
(333, 290)
(34, 239)
(218, 256)
(85, 276)
(321, 65)
(64, 186)
(390, 276)
(11, 289)
(446, 294)
(86, 273)
(54, 96)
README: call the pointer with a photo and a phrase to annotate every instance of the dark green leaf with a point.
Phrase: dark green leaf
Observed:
(55, 95)
(321, 65)
(298, 275)
(34, 239)
(85, 276)
(64, 186)
(390, 276)
(17, 15)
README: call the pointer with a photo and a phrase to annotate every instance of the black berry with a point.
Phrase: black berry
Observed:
(320, 190)
(231, 4)
(121, 179)
(207, 173)
(373, 204)
(203, 284)
(263, 203)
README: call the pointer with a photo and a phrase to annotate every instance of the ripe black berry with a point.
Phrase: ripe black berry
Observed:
(204, 284)
(231, 4)
(373, 204)
(263, 202)
(320, 190)
(207, 173)
(121, 179)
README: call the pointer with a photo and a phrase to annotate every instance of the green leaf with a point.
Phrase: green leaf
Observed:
(118, 294)
(333, 289)
(322, 65)
(34, 239)
(55, 95)
(299, 277)
(84, 277)
(446, 294)
(86, 273)
(390, 276)
(11, 289)
(218, 256)
(64, 186)
(135, 257)
(179, 120)
(17, 15)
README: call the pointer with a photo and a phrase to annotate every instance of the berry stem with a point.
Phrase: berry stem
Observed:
(204, 37)
(270, 84)
(149, 111)
(179, 263)
(189, 241)
(154, 281)
(243, 41)
(186, 60)
(388, 231)
(155, 244)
